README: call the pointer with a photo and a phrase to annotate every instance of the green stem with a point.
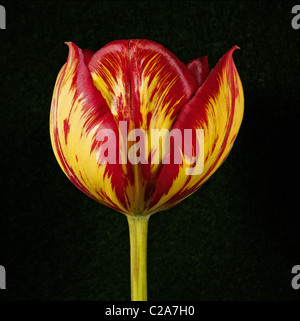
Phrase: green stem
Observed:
(138, 228)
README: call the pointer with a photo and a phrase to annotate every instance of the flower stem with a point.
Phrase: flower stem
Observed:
(138, 228)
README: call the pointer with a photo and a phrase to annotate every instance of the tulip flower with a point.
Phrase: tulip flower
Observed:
(138, 131)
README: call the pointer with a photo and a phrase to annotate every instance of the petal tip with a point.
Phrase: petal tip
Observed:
(69, 43)
(74, 51)
(71, 46)
(234, 48)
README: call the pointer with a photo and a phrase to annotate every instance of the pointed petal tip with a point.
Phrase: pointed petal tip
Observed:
(69, 43)
(72, 48)
(76, 53)
(228, 55)
(234, 48)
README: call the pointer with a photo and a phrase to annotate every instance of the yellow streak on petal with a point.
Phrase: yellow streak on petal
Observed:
(112, 89)
(158, 105)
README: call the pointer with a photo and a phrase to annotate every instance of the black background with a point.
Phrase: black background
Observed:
(237, 238)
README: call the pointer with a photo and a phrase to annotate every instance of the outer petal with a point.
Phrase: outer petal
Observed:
(78, 112)
(217, 108)
(146, 85)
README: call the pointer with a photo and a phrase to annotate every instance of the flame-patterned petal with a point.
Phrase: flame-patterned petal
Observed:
(78, 112)
(146, 85)
(217, 107)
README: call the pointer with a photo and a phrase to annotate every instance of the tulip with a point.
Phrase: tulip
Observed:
(106, 104)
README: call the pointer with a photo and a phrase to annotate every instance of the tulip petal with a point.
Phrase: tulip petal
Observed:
(78, 113)
(199, 68)
(146, 85)
(217, 107)
(142, 81)
(88, 54)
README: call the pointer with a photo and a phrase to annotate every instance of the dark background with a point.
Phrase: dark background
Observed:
(237, 238)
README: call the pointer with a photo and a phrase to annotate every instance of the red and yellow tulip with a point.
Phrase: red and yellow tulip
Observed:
(141, 84)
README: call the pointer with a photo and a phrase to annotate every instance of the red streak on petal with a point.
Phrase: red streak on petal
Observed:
(66, 129)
